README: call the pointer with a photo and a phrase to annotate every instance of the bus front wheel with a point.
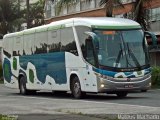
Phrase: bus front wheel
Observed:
(76, 88)
(121, 94)
(22, 88)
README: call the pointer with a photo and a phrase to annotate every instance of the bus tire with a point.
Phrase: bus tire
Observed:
(121, 94)
(76, 88)
(144, 90)
(22, 87)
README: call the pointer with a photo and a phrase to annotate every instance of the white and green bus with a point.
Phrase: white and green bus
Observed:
(95, 55)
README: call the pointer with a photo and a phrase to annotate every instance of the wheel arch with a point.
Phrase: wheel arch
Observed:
(72, 75)
(21, 74)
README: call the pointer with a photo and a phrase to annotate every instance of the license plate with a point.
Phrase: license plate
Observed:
(128, 86)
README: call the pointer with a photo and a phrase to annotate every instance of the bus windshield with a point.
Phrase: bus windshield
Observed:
(121, 48)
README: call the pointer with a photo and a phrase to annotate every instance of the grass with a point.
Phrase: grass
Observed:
(8, 117)
(103, 116)
(155, 87)
(1, 81)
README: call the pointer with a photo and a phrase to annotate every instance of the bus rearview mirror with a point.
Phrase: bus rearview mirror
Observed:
(153, 37)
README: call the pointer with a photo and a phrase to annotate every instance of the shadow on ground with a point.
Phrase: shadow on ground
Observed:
(66, 117)
(89, 96)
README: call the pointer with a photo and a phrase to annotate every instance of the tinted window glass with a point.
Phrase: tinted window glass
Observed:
(84, 41)
(8, 46)
(54, 41)
(41, 42)
(68, 43)
(18, 46)
(28, 44)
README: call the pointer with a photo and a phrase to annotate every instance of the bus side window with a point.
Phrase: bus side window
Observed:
(41, 42)
(8, 46)
(28, 44)
(68, 43)
(54, 41)
(89, 50)
(18, 46)
(82, 38)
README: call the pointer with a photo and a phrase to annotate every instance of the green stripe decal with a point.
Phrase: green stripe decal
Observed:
(56, 27)
(29, 32)
(41, 30)
(19, 33)
(117, 27)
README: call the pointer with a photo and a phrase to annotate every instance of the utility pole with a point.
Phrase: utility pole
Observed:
(28, 19)
(19, 25)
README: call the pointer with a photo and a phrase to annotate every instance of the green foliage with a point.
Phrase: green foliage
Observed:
(140, 14)
(138, 11)
(156, 77)
(36, 13)
(8, 117)
(10, 16)
(109, 5)
(63, 4)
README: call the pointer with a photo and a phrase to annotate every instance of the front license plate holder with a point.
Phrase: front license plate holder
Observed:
(128, 86)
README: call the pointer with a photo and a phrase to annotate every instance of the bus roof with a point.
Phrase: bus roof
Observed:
(94, 22)
(100, 22)
(107, 23)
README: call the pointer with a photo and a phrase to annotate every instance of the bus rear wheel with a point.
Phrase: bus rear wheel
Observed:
(76, 88)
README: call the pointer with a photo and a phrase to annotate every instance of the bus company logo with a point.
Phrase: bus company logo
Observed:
(128, 79)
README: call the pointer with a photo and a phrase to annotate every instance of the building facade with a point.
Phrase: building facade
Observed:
(92, 8)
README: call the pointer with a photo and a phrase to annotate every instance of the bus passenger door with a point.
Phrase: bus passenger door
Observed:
(90, 80)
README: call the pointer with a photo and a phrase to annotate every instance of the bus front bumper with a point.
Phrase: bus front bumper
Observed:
(116, 85)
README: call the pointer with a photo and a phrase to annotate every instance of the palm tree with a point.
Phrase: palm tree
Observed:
(140, 13)
(36, 16)
(64, 3)
(109, 5)
(35, 13)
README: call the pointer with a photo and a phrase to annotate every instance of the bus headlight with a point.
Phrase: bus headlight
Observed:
(102, 85)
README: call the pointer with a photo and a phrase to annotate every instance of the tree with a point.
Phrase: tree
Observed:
(10, 16)
(140, 13)
(64, 3)
(28, 13)
(36, 16)
(109, 5)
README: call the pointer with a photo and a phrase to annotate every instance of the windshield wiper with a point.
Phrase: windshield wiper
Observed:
(133, 56)
(119, 56)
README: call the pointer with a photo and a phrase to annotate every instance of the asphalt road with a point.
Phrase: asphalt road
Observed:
(46, 106)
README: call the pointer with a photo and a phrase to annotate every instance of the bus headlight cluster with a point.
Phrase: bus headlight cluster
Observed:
(101, 76)
(102, 85)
